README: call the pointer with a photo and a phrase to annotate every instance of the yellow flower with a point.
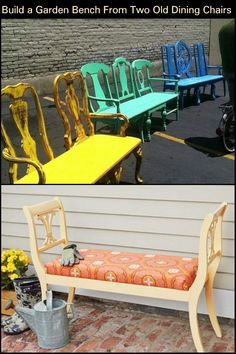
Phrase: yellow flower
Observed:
(24, 259)
(3, 257)
(11, 267)
(18, 252)
(4, 269)
(13, 276)
(11, 259)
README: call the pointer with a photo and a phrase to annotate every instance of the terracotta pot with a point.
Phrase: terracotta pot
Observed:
(6, 295)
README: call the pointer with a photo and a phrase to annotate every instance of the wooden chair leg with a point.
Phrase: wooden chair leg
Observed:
(181, 99)
(146, 127)
(163, 116)
(70, 300)
(138, 153)
(194, 325)
(213, 91)
(209, 300)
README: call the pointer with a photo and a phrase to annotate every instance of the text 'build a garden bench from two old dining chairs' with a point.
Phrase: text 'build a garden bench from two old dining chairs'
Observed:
(131, 93)
(90, 158)
(149, 275)
(178, 63)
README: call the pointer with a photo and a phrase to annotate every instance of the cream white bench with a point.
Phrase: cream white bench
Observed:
(141, 275)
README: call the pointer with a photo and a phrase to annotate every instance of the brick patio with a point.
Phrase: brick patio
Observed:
(109, 326)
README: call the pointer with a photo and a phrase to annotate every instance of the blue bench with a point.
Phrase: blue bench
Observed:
(177, 64)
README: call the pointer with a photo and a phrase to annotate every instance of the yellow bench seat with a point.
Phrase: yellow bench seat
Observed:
(87, 162)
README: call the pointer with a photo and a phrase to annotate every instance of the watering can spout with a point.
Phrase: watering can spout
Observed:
(28, 316)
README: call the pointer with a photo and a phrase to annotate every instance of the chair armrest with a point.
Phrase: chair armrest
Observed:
(7, 156)
(113, 116)
(113, 100)
(170, 76)
(161, 79)
(219, 67)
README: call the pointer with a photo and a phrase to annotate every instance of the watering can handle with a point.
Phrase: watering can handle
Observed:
(49, 300)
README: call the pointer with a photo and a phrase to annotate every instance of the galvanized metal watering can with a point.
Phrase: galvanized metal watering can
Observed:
(48, 319)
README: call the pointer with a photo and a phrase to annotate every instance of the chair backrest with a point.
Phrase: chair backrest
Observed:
(141, 74)
(183, 57)
(210, 247)
(168, 60)
(123, 79)
(25, 112)
(47, 228)
(97, 85)
(200, 59)
(72, 105)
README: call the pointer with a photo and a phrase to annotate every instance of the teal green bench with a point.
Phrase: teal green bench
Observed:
(133, 94)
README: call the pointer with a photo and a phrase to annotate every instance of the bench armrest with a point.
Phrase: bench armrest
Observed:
(113, 116)
(170, 76)
(113, 100)
(161, 79)
(36, 165)
(218, 67)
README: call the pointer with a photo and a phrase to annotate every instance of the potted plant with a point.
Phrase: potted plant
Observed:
(14, 264)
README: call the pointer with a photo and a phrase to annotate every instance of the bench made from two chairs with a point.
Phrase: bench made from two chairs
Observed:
(177, 64)
(149, 275)
(92, 158)
(133, 93)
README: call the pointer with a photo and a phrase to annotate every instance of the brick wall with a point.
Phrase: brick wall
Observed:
(42, 47)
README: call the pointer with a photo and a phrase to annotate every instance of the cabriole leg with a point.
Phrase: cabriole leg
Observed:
(138, 153)
(194, 325)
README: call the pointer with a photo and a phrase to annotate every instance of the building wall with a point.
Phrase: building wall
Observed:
(164, 219)
(41, 47)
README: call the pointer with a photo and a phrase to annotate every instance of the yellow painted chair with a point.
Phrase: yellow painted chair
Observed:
(93, 158)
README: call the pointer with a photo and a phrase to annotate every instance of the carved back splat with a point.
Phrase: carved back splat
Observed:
(73, 107)
(20, 115)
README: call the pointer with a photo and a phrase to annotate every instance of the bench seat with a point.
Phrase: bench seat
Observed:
(86, 162)
(198, 81)
(134, 268)
(140, 105)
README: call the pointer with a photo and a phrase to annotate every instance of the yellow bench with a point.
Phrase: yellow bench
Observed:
(150, 276)
(90, 159)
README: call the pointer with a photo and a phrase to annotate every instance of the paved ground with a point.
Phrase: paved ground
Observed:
(107, 326)
(188, 152)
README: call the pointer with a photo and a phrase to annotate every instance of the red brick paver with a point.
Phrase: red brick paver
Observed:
(107, 326)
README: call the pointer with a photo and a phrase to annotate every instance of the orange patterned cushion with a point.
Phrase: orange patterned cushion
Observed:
(135, 268)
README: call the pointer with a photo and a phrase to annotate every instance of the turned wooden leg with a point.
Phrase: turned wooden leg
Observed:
(197, 96)
(147, 128)
(163, 115)
(213, 91)
(177, 109)
(138, 153)
(70, 300)
(181, 99)
(194, 324)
